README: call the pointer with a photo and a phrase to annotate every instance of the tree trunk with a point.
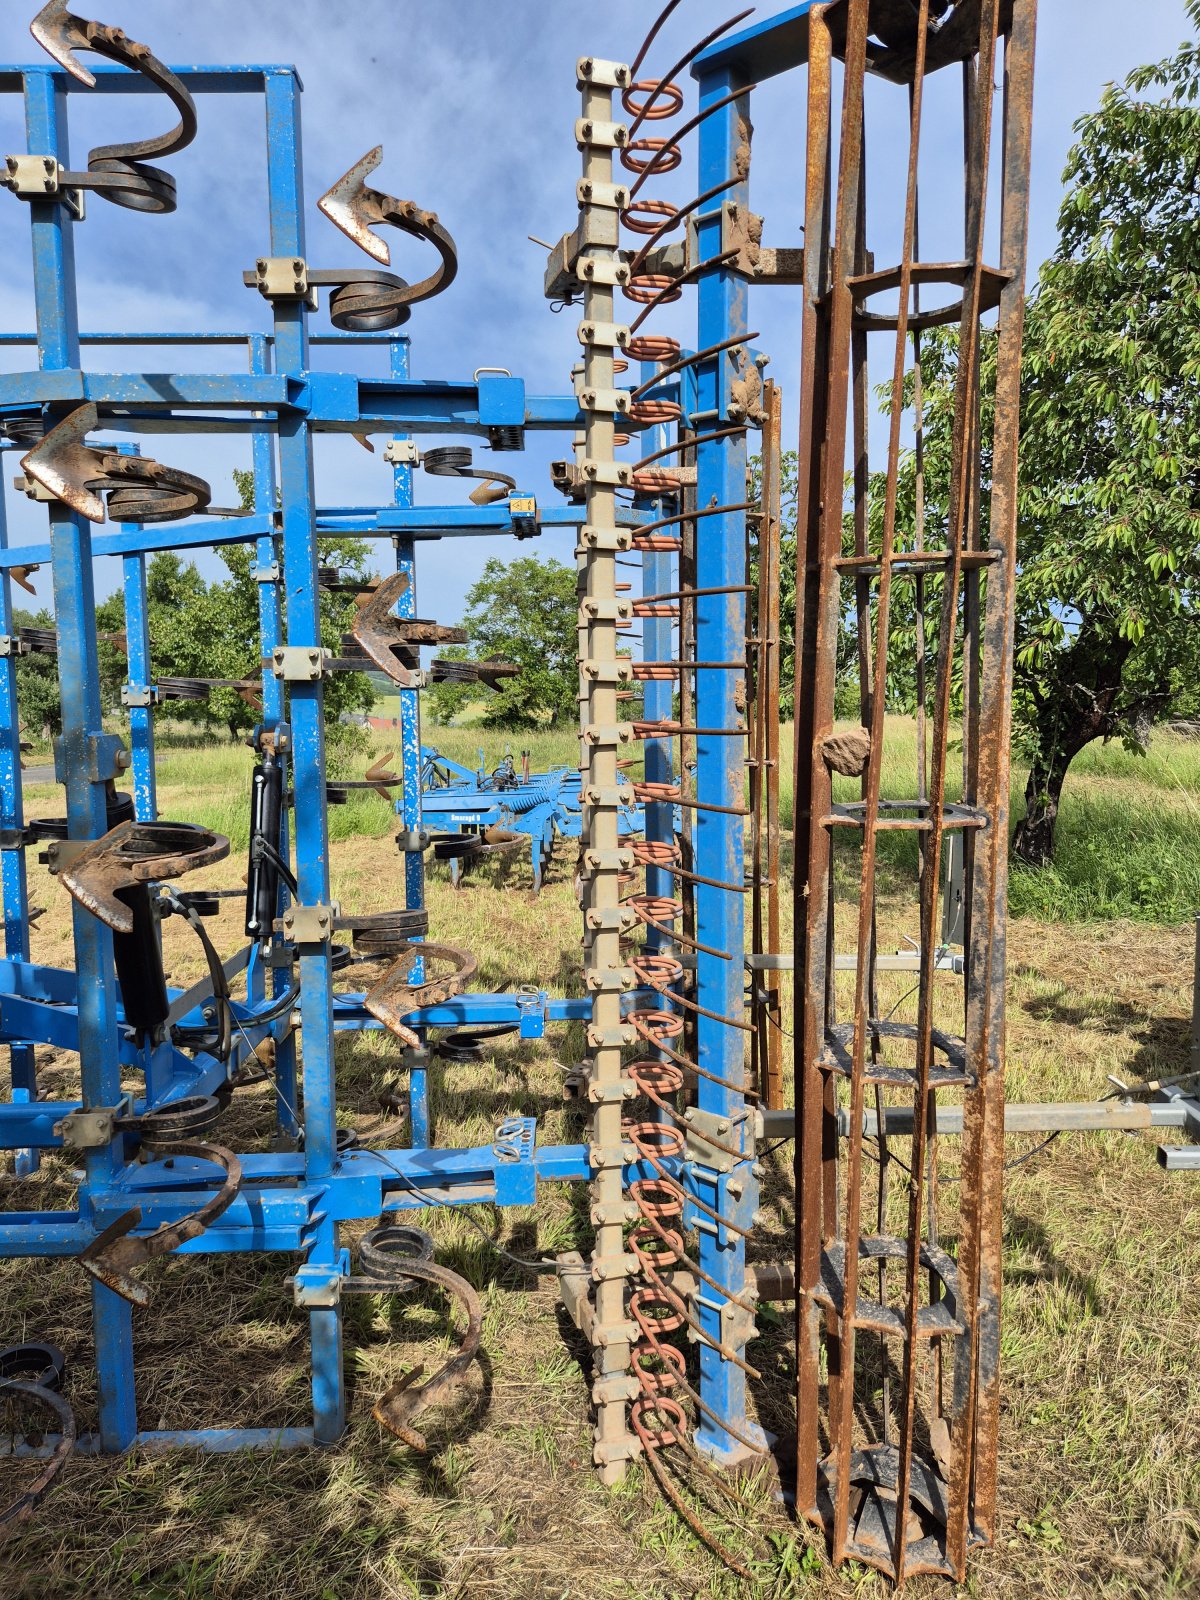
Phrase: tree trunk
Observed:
(1033, 837)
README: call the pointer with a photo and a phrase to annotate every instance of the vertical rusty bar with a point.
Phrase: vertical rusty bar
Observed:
(813, 704)
(767, 1042)
(984, 1120)
(843, 1424)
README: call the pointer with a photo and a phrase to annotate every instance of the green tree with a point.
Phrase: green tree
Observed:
(1108, 538)
(178, 616)
(525, 611)
(39, 699)
(236, 603)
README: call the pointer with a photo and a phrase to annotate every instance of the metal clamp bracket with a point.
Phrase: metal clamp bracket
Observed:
(600, 135)
(142, 694)
(618, 671)
(594, 609)
(610, 919)
(607, 474)
(611, 1094)
(706, 1132)
(282, 278)
(608, 733)
(91, 1129)
(607, 860)
(616, 1386)
(600, 74)
(402, 452)
(608, 196)
(602, 269)
(106, 758)
(308, 924)
(605, 402)
(320, 1288)
(605, 538)
(604, 335)
(598, 795)
(39, 178)
(614, 1039)
(296, 663)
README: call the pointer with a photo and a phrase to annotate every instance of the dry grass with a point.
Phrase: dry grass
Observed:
(1100, 1437)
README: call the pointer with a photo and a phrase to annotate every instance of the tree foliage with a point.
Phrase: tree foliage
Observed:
(200, 629)
(39, 699)
(1108, 539)
(524, 611)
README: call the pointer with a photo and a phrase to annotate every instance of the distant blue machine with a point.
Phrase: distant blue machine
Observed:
(479, 812)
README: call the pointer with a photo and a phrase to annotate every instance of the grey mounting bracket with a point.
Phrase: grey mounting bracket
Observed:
(705, 1127)
(298, 663)
(60, 853)
(39, 178)
(282, 278)
(402, 453)
(91, 1129)
(308, 924)
(106, 758)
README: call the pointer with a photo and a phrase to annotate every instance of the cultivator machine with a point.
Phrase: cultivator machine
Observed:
(687, 1053)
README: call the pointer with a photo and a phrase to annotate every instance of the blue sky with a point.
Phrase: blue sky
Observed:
(474, 102)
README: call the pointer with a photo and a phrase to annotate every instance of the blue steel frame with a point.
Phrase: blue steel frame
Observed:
(720, 636)
(290, 1202)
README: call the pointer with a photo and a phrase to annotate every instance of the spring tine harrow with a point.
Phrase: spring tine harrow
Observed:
(117, 172)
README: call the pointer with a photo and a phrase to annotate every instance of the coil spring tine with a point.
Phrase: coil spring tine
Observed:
(700, 1205)
(689, 516)
(691, 1066)
(690, 1005)
(680, 364)
(119, 172)
(672, 217)
(684, 61)
(656, 28)
(655, 166)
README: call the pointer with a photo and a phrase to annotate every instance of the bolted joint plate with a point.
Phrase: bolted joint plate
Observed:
(282, 278)
(90, 1130)
(705, 1127)
(592, 71)
(308, 924)
(296, 663)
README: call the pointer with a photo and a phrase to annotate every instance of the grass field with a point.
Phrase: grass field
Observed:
(1100, 1443)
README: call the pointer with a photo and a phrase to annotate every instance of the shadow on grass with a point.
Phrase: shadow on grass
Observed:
(1028, 1235)
(1163, 1043)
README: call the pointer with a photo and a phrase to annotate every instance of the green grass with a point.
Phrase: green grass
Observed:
(1100, 1434)
(1128, 843)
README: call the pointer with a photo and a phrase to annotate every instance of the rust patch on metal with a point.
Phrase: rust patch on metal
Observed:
(135, 853)
(406, 1399)
(113, 1254)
